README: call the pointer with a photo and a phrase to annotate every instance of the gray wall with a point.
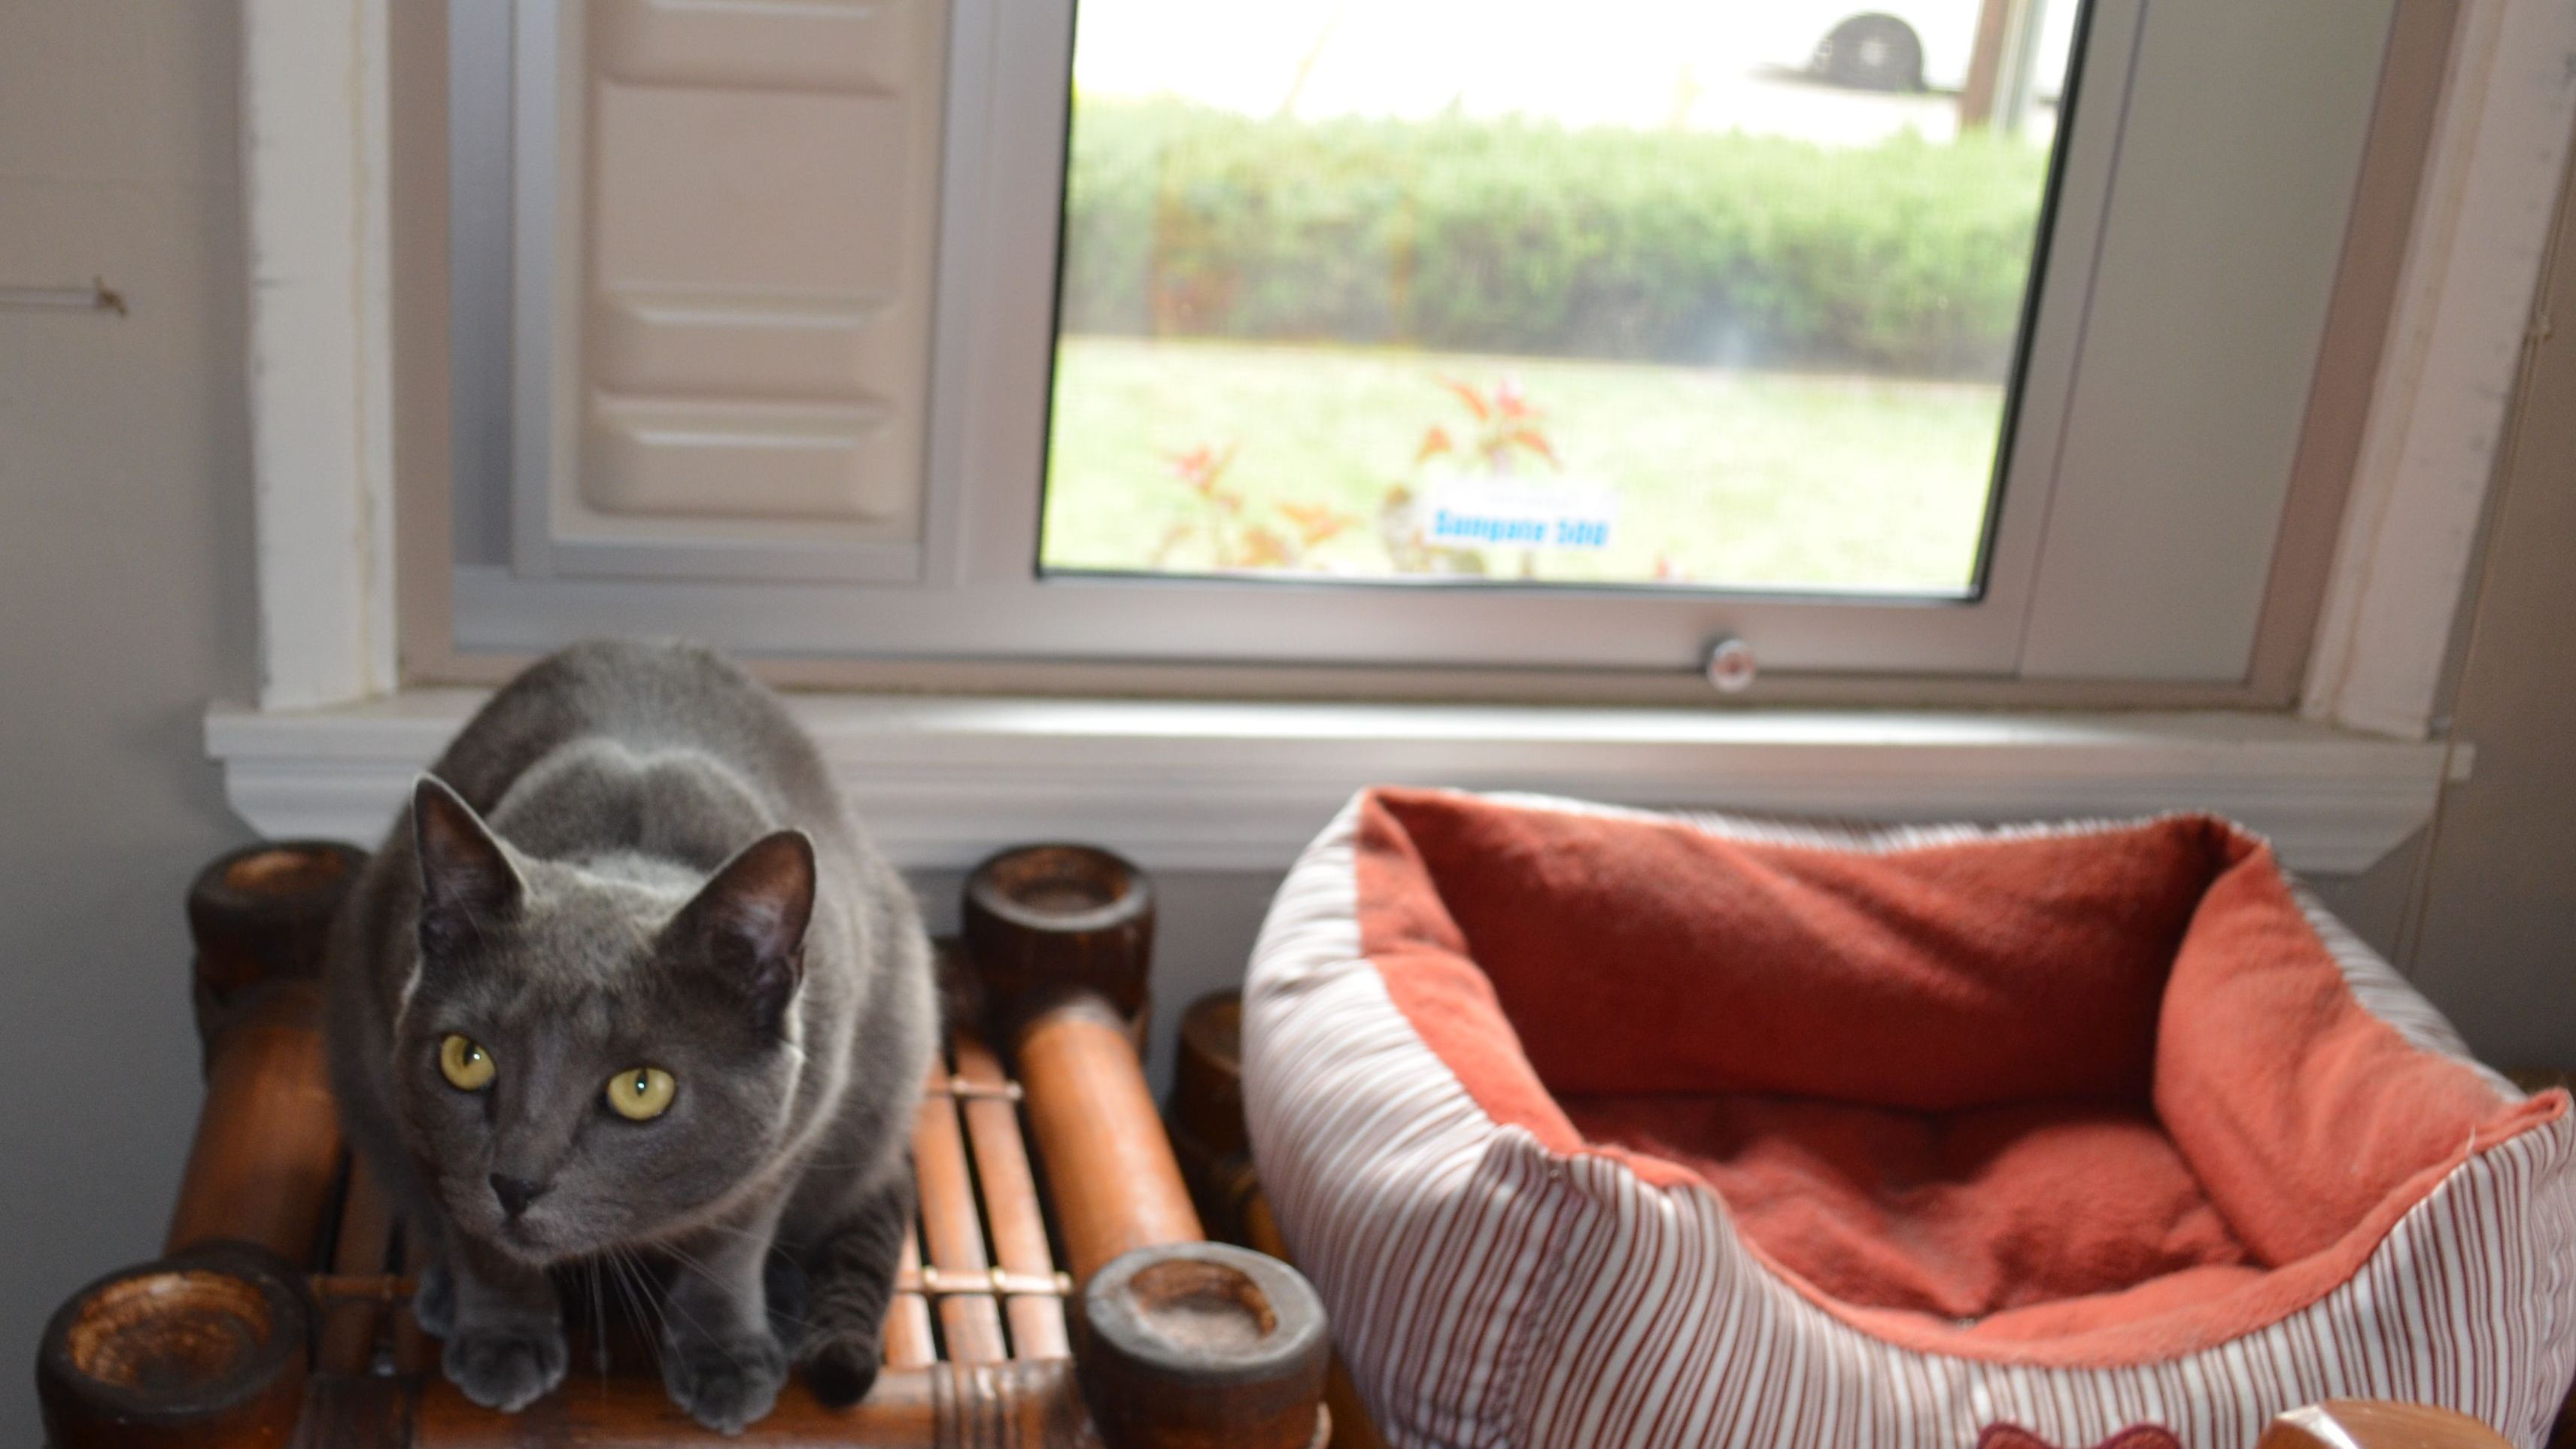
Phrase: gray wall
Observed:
(125, 604)
(2492, 936)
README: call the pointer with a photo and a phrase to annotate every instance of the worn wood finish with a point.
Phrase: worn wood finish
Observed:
(908, 1344)
(1110, 1173)
(1201, 1345)
(415, 1352)
(1027, 1404)
(1353, 1428)
(1047, 921)
(268, 1141)
(260, 913)
(353, 1326)
(202, 1352)
(970, 1325)
(1207, 1077)
(268, 1137)
(1019, 1237)
(1205, 1113)
(1206, 1120)
(2378, 1424)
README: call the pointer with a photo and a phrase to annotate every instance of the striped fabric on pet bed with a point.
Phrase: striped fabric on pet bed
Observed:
(1599, 1127)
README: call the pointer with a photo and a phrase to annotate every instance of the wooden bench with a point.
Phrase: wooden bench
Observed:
(1057, 1290)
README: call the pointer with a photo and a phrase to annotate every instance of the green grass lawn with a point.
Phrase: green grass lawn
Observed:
(1737, 479)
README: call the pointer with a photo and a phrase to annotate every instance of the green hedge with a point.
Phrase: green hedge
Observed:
(1525, 237)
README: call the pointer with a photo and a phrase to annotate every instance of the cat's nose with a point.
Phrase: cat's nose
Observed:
(516, 1193)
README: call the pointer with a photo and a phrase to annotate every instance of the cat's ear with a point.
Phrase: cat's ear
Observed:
(748, 921)
(466, 878)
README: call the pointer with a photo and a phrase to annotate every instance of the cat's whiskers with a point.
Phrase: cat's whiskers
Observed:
(598, 1325)
(636, 1287)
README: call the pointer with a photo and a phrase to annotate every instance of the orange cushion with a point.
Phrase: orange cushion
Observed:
(2103, 1083)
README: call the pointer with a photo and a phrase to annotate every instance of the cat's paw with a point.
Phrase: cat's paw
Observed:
(506, 1367)
(841, 1369)
(433, 1302)
(724, 1383)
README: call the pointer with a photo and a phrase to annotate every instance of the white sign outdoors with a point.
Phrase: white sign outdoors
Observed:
(1490, 511)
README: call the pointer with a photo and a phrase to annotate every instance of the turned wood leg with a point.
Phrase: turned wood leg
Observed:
(1182, 1343)
(2378, 1424)
(196, 1352)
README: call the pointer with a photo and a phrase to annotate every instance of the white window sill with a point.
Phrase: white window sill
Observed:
(1222, 786)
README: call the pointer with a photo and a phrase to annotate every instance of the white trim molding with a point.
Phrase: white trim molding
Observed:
(2437, 412)
(315, 173)
(1217, 786)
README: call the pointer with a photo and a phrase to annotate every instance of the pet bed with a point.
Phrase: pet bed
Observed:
(1599, 1127)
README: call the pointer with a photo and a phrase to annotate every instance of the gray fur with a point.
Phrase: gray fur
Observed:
(578, 937)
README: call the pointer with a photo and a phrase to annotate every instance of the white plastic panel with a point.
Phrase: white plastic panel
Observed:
(743, 203)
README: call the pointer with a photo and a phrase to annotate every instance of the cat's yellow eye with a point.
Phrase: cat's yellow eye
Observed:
(467, 1067)
(641, 1093)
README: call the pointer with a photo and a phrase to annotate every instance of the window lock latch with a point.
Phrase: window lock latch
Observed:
(1731, 666)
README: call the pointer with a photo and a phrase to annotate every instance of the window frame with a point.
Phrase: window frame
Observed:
(1087, 650)
(345, 174)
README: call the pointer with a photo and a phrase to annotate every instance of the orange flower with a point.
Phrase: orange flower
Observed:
(1201, 466)
(1315, 522)
(1467, 394)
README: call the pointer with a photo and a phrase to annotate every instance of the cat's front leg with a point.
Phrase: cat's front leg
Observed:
(505, 1340)
(854, 1280)
(720, 1360)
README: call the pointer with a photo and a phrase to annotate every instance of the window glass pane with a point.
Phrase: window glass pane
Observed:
(1640, 292)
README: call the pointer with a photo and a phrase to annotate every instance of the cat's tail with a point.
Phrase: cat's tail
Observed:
(853, 1281)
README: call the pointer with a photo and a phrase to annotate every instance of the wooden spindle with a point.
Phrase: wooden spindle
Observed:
(1010, 1201)
(353, 1326)
(1060, 939)
(415, 1352)
(261, 913)
(1198, 1345)
(1109, 1168)
(1205, 1114)
(908, 1344)
(1013, 1404)
(952, 1234)
(2377, 1424)
(268, 1137)
(205, 1351)
(1044, 922)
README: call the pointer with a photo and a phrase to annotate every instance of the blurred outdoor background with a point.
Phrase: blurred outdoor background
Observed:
(1741, 284)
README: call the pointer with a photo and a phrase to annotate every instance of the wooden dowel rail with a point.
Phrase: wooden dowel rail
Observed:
(908, 1343)
(952, 1233)
(1013, 1404)
(358, 1295)
(1032, 1289)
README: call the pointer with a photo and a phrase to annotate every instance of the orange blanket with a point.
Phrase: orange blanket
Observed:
(2105, 1086)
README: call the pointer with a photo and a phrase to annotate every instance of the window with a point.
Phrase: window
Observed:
(1688, 331)
(1677, 295)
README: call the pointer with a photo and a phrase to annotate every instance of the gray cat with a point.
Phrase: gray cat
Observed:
(627, 982)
